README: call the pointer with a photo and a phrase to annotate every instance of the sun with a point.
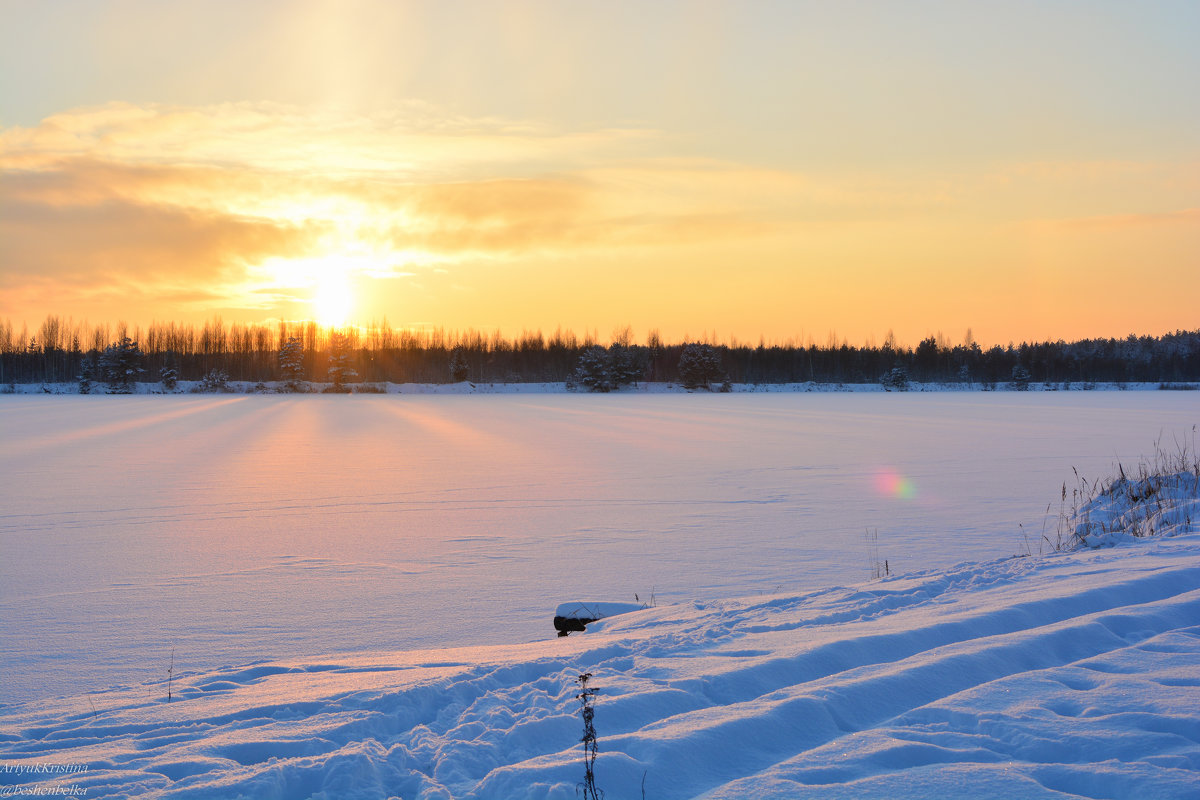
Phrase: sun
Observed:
(333, 296)
(329, 284)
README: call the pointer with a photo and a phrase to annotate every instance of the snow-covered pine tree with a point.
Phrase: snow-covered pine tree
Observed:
(169, 377)
(624, 364)
(291, 364)
(340, 371)
(700, 366)
(120, 363)
(87, 374)
(895, 380)
(1020, 379)
(215, 380)
(602, 370)
(594, 370)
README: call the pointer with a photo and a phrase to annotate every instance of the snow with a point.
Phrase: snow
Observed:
(359, 592)
(1151, 505)
(1068, 675)
(594, 609)
(134, 526)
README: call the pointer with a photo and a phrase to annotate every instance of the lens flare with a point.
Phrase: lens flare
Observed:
(890, 483)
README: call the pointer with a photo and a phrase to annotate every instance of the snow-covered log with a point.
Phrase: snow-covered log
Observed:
(575, 615)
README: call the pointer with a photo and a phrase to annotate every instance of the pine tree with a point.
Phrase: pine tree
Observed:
(1020, 379)
(340, 371)
(594, 370)
(215, 380)
(168, 375)
(624, 364)
(120, 364)
(459, 370)
(700, 366)
(602, 370)
(895, 380)
(291, 364)
(87, 374)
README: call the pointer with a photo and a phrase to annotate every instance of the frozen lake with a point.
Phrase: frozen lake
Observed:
(233, 529)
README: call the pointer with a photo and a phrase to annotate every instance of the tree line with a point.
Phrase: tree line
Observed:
(61, 351)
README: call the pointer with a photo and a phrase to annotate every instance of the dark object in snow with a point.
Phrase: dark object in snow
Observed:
(566, 625)
(576, 615)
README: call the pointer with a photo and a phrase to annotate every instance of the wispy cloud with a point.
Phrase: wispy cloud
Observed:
(413, 142)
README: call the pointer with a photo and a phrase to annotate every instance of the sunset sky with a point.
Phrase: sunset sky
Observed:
(1028, 170)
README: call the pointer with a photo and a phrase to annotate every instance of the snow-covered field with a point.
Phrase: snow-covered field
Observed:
(251, 535)
(1072, 675)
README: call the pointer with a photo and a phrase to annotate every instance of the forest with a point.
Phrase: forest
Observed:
(64, 351)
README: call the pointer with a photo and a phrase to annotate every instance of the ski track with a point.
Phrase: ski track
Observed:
(1074, 675)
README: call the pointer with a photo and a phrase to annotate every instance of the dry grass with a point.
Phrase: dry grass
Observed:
(1156, 496)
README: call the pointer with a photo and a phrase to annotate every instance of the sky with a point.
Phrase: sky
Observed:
(779, 170)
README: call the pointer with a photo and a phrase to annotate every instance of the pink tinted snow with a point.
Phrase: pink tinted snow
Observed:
(233, 529)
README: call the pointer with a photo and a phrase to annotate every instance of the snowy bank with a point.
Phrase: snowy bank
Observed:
(1134, 508)
(1073, 675)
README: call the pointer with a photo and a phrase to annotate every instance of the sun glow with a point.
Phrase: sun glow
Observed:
(328, 284)
(333, 297)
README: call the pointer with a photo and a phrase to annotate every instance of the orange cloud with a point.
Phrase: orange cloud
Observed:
(116, 236)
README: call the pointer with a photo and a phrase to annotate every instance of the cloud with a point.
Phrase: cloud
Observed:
(413, 142)
(508, 218)
(248, 205)
(69, 240)
(156, 190)
(113, 239)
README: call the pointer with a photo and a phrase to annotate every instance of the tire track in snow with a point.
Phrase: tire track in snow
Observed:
(821, 696)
